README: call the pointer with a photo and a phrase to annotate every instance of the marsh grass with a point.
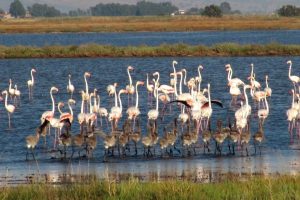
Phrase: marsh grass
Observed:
(163, 50)
(278, 187)
(147, 23)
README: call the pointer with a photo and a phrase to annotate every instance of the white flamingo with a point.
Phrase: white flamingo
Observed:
(153, 113)
(9, 108)
(130, 87)
(116, 111)
(134, 111)
(17, 95)
(295, 79)
(30, 83)
(232, 81)
(47, 115)
(292, 113)
(70, 87)
(267, 89)
(102, 111)
(263, 113)
(11, 90)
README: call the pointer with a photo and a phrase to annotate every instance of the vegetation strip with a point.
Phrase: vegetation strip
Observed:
(164, 50)
(281, 187)
(149, 23)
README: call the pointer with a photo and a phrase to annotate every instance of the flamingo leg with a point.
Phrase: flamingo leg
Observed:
(9, 125)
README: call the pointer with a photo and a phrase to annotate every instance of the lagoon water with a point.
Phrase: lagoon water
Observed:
(153, 38)
(279, 153)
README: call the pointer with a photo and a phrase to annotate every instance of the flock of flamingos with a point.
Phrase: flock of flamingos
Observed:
(191, 105)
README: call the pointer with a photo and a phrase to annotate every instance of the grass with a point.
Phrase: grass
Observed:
(149, 23)
(279, 187)
(164, 50)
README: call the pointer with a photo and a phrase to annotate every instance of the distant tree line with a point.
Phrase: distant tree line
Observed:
(142, 8)
(289, 11)
(214, 10)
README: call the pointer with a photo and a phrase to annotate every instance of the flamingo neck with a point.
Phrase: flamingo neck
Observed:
(10, 85)
(70, 107)
(147, 81)
(290, 69)
(137, 96)
(180, 84)
(246, 97)
(209, 102)
(53, 103)
(175, 80)
(252, 70)
(184, 80)
(267, 105)
(69, 81)
(82, 104)
(59, 110)
(86, 86)
(267, 85)
(32, 78)
(229, 75)
(157, 80)
(156, 108)
(120, 101)
(130, 80)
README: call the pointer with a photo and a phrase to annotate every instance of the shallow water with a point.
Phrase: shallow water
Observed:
(153, 38)
(279, 154)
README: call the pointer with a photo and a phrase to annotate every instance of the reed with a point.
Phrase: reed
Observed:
(278, 187)
(147, 23)
(164, 50)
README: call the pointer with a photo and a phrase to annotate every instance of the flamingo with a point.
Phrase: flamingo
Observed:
(30, 83)
(206, 111)
(295, 79)
(263, 113)
(67, 116)
(183, 96)
(10, 108)
(166, 89)
(267, 89)
(199, 78)
(232, 81)
(70, 87)
(91, 117)
(134, 111)
(111, 89)
(81, 116)
(130, 87)
(245, 110)
(116, 111)
(102, 111)
(292, 113)
(253, 82)
(11, 91)
(47, 115)
(17, 94)
(153, 113)
(86, 95)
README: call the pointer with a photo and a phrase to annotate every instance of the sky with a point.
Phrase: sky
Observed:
(246, 6)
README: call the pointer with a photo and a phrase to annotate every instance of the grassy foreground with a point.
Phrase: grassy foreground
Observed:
(149, 23)
(164, 50)
(282, 187)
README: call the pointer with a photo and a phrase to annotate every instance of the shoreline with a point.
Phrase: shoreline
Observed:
(189, 23)
(163, 50)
